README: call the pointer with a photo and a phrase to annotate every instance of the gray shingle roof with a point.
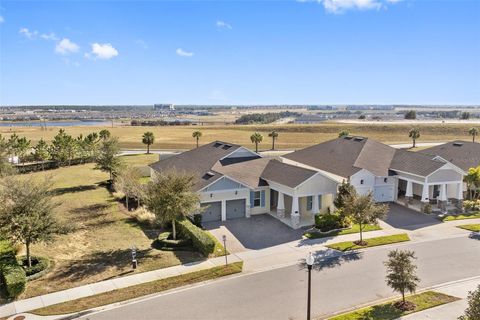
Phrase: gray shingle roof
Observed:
(415, 163)
(286, 174)
(198, 161)
(247, 172)
(463, 154)
(346, 156)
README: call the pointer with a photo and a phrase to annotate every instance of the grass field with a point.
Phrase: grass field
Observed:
(371, 242)
(291, 136)
(387, 311)
(98, 247)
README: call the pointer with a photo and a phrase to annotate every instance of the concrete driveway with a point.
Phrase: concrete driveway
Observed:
(254, 233)
(401, 217)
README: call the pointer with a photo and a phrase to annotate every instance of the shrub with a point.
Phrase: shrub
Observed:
(471, 205)
(12, 274)
(200, 239)
(427, 208)
(142, 215)
(328, 222)
(38, 265)
(197, 220)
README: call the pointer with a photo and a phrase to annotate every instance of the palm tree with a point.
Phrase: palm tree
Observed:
(273, 135)
(104, 134)
(473, 132)
(148, 138)
(197, 135)
(414, 133)
(256, 138)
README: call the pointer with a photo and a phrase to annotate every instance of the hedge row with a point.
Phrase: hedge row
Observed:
(12, 274)
(200, 240)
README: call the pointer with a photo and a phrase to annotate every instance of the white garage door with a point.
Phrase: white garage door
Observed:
(383, 193)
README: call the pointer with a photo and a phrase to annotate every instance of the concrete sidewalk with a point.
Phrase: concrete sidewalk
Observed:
(449, 311)
(49, 299)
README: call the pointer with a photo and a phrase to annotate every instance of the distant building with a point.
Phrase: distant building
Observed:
(310, 119)
(166, 107)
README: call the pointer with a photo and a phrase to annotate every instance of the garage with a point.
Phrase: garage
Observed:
(383, 193)
(212, 211)
(236, 209)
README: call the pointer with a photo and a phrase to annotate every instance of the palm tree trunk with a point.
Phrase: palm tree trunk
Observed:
(148, 149)
(174, 230)
(197, 142)
(414, 143)
(256, 146)
(273, 143)
(403, 296)
(361, 234)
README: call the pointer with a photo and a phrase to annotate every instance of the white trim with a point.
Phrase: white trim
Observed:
(224, 176)
(413, 174)
(240, 147)
(314, 175)
(451, 166)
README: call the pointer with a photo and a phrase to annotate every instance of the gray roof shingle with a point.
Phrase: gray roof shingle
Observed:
(286, 174)
(415, 163)
(463, 154)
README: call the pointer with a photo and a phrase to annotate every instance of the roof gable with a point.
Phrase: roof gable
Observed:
(463, 154)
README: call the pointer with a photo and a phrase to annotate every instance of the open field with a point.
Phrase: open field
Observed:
(98, 246)
(291, 136)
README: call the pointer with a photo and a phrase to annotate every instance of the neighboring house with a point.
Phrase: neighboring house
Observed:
(235, 182)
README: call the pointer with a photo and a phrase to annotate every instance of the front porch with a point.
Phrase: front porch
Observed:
(417, 205)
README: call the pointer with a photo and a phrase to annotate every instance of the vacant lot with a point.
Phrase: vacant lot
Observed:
(98, 246)
(290, 136)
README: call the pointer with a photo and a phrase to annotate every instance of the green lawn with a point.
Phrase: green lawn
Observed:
(471, 215)
(139, 290)
(371, 242)
(354, 229)
(470, 227)
(387, 311)
(102, 233)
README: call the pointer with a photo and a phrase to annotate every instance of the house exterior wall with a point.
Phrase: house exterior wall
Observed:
(262, 209)
(445, 175)
(317, 184)
(368, 181)
(224, 184)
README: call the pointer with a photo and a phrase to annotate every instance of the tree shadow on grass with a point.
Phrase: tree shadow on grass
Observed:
(329, 259)
(61, 191)
(474, 235)
(382, 312)
(151, 231)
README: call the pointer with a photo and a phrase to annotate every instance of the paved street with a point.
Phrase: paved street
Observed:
(338, 284)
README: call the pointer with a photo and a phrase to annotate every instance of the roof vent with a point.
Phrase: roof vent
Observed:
(217, 145)
(226, 147)
(358, 138)
(208, 175)
(458, 144)
(348, 138)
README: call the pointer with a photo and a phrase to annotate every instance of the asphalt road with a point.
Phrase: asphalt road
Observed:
(281, 293)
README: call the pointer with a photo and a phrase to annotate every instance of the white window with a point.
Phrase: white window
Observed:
(256, 199)
(309, 203)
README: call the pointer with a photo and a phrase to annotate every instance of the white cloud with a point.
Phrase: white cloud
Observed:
(184, 53)
(2, 19)
(27, 33)
(104, 51)
(223, 24)
(340, 6)
(65, 46)
(49, 36)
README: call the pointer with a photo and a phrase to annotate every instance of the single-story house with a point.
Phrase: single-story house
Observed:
(233, 181)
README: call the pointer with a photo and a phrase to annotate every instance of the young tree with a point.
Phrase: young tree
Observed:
(91, 145)
(256, 138)
(274, 136)
(22, 146)
(169, 196)
(63, 147)
(197, 135)
(473, 310)
(41, 152)
(12, 145)
(128, 182)
(27, 211)
(473, 132)
(465, 115)
(473, 181)
(343, 133)
(104, 134)
(401, 274)
(412, 114)
(5, 167)
(345, 190)
(148, 138)
(107, 159)
(363, 210)
(414, 133)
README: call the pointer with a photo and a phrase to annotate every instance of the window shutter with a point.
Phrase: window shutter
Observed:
(262, 198)
(252, 195)
(309, 203)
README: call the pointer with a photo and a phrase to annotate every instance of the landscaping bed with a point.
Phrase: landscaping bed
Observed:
(371, 242)
(315, 233)
(388, 311)
(139, 290)
(470, 227)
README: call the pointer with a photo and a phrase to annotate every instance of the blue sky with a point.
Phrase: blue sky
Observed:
(240, 52)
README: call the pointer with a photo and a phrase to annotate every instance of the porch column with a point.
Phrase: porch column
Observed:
(295, 215)
(247, 207)
(281, 205)
(459, 196)
(409, 193)
(315, 205)
(442, 199)
(224, 210)
(425, 197)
